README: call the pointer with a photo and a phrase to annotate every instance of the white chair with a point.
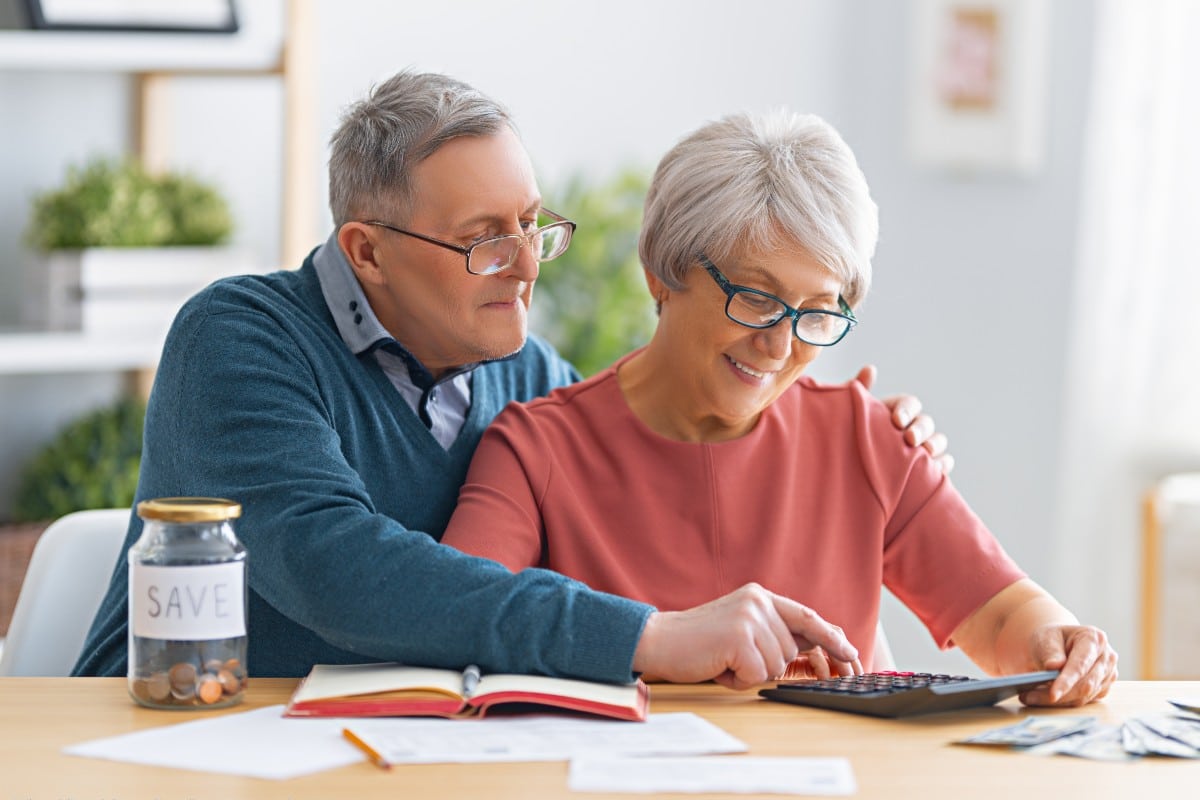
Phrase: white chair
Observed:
(68, 575)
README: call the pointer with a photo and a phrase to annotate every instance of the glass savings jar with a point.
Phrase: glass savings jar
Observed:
(187, 605)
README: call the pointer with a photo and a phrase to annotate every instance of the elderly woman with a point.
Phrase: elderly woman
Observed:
(706, 459)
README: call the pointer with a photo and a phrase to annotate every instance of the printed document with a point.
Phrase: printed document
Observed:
(264, 744)
(411, 740)
(740, 774)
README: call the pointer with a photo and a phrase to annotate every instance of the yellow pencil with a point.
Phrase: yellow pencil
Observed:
(376, 759)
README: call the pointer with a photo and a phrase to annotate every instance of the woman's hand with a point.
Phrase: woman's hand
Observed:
(1086, 662)
(1023, 629)
(918, 428)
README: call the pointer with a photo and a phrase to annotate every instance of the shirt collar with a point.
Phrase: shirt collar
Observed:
(356, 322)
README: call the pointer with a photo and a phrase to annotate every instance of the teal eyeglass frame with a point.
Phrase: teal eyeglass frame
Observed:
(732, 290)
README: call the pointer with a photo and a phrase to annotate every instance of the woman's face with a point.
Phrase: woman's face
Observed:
(728, 374)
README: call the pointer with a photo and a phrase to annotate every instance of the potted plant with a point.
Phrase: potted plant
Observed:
(91, 463)
(120, 249)
(592, 302)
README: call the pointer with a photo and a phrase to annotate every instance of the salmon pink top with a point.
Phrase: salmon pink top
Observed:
(822, 501)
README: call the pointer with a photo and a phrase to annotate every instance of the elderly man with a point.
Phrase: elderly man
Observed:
(340, 403)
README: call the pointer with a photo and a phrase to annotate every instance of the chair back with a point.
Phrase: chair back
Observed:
(69, 573)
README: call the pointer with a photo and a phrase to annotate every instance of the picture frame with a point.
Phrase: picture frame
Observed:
(979, 72)
(188, 16)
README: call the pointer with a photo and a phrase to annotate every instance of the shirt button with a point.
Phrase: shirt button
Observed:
(354, 305)
(357, 319)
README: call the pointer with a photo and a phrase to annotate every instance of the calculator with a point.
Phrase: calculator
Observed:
(899, 694)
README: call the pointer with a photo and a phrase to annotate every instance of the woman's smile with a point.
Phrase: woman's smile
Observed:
(747, 371)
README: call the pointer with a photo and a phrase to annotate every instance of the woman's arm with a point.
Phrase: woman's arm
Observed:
(1022, 628)
(497, 515)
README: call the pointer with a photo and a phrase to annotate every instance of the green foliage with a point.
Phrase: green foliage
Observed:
(592, 302)
(199, 214)
(108, 203)
(91, 463)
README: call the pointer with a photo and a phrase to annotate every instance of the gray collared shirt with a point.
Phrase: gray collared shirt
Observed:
(442, 406)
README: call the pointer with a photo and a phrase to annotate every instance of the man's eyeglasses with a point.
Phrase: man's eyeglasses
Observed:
(756, 309)
(500, 252)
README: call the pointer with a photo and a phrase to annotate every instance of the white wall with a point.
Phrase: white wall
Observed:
(963, 263)
(592, 85)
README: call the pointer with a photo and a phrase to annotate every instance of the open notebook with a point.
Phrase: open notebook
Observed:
(395, 690)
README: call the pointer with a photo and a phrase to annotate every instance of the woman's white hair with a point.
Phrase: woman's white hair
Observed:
(761, 182)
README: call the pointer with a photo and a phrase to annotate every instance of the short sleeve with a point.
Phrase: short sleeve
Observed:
(939, 558)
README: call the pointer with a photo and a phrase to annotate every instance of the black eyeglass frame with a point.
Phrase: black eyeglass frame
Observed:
(526, 238)
(732, 290)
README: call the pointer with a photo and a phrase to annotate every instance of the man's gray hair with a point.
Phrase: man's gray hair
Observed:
(748, 182)
(403, 121)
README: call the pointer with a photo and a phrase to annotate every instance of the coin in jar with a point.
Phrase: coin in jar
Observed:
(208, 689)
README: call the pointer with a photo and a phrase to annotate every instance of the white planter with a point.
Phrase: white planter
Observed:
(123, 290)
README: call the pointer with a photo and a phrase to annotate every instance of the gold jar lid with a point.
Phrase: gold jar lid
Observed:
(189, 509)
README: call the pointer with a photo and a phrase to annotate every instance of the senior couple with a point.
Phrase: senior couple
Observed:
(722, 515)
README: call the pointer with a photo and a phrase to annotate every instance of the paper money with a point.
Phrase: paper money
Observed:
(1099, 743)
(1175, 735)
(1132, 741)
(1150, 742)
(1179, 730)
(1032, 731)
(1187, 705)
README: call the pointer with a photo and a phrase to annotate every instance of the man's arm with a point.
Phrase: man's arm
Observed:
(239, 412)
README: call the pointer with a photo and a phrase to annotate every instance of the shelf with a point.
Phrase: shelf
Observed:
(256, 47)
(43, 353)
(128, 52)
(155, 58)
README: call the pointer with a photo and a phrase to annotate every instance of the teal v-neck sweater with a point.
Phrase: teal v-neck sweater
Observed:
(345, 493)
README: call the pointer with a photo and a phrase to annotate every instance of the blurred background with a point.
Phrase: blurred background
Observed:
(1035, 280)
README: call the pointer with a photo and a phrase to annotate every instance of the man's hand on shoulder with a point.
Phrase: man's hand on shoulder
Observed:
(906, 415)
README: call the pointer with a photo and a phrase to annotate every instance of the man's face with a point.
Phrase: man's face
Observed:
(471, 189)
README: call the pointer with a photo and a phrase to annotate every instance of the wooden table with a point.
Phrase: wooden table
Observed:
(910, 758)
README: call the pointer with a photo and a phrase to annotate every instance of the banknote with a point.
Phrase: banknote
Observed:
(1099, 743)
(1180, 731)
(1132, 741)
(1187, 705)
(1032, 731)
(1150, 742)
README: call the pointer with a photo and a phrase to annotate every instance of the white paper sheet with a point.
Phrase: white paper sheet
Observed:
(261, 744)
(737, 774)
(539, 738)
